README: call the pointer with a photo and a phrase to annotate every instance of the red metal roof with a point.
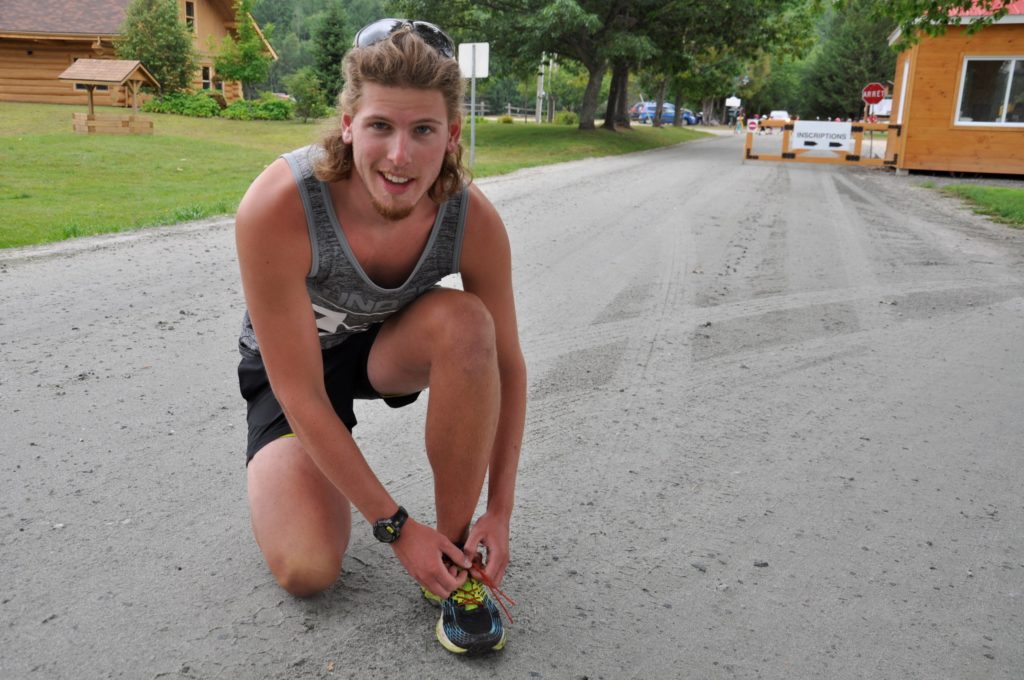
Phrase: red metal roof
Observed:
(1014, 6)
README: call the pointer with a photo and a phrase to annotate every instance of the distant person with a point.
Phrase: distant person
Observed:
(341, 246)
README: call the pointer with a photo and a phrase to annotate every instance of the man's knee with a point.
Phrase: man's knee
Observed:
(305, 576)
(465, 329)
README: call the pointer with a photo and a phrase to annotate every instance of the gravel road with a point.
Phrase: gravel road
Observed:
(774, 432)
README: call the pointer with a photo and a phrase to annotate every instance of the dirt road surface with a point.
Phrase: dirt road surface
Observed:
(774, 432)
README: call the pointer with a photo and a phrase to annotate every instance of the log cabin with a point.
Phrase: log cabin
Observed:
(958, 99)
(40, 39)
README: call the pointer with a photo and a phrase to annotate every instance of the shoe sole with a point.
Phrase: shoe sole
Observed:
(455, 649)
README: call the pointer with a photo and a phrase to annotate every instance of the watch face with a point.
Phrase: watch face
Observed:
(388, 530)
(385, 531)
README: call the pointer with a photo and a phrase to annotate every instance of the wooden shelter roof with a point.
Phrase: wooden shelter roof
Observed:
(107, 72)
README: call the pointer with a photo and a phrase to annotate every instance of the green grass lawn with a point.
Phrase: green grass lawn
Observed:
(55, 184)
(1002, 204)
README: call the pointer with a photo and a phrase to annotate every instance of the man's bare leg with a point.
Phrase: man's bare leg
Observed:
(300, 520)
(445, 340)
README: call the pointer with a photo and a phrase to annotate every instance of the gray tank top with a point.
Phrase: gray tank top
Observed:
(345, 300)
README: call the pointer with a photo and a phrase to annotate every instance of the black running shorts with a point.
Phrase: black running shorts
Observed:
(345, 378)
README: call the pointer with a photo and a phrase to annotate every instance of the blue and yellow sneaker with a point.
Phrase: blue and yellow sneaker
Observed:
(469, 623)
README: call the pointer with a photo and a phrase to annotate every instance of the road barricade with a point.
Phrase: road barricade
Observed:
(820, 142)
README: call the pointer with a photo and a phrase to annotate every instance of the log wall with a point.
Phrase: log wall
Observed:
(29, 70)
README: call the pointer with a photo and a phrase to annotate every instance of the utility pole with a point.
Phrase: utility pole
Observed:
(540, 89)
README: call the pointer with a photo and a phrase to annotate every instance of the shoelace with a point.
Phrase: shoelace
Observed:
(470, 595)
(476, 572)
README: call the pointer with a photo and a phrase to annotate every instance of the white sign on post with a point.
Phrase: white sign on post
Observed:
(473, 62)
(822, 136)
(473, 59)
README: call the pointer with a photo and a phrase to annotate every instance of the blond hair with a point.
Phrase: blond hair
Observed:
(402, 59)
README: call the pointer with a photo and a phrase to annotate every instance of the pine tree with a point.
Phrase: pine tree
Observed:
(331, 40)
(153, 34)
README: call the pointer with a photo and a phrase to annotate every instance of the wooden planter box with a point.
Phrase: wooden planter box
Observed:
(113, 124)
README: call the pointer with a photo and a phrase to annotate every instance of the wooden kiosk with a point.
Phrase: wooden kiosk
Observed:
(107, 73)
(959, 99)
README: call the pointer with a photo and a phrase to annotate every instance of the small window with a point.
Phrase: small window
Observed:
(190, 16)
(992, 92)
(98, 88)
(207, 78)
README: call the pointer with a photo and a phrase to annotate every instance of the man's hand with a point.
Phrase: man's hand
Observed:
(421, 551)
(491, 531)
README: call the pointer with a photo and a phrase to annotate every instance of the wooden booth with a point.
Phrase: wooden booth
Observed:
(958, 100)
(107, 74)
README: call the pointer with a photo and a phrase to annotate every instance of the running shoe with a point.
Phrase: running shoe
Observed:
(469, 623)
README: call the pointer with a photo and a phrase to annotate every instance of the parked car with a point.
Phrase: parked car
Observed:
(779, 115)
(644, 112)
(690, 118)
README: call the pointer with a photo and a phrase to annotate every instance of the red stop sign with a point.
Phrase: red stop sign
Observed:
(873, 93)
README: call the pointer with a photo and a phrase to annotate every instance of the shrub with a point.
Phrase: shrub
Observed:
(305, 87)
(239, 110)
(505, 118)
(198, 105)
(267, 107)
(566, 118)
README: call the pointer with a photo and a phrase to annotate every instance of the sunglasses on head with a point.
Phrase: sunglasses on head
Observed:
(371, 34)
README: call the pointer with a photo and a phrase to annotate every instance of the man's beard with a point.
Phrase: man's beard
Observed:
(391, 213)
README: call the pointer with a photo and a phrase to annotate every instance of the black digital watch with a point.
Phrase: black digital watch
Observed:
(388, 530)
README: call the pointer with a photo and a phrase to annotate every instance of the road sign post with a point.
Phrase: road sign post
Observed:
(473, 62)
(871, 94)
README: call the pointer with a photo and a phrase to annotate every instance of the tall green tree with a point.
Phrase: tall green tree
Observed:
(658, 34)
(153, 34)
(244, 58)
(854, 52)
(293, 54)
(279, 13)
(332, 37)
(701, 45)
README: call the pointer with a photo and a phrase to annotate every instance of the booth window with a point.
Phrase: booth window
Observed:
(992, 92)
